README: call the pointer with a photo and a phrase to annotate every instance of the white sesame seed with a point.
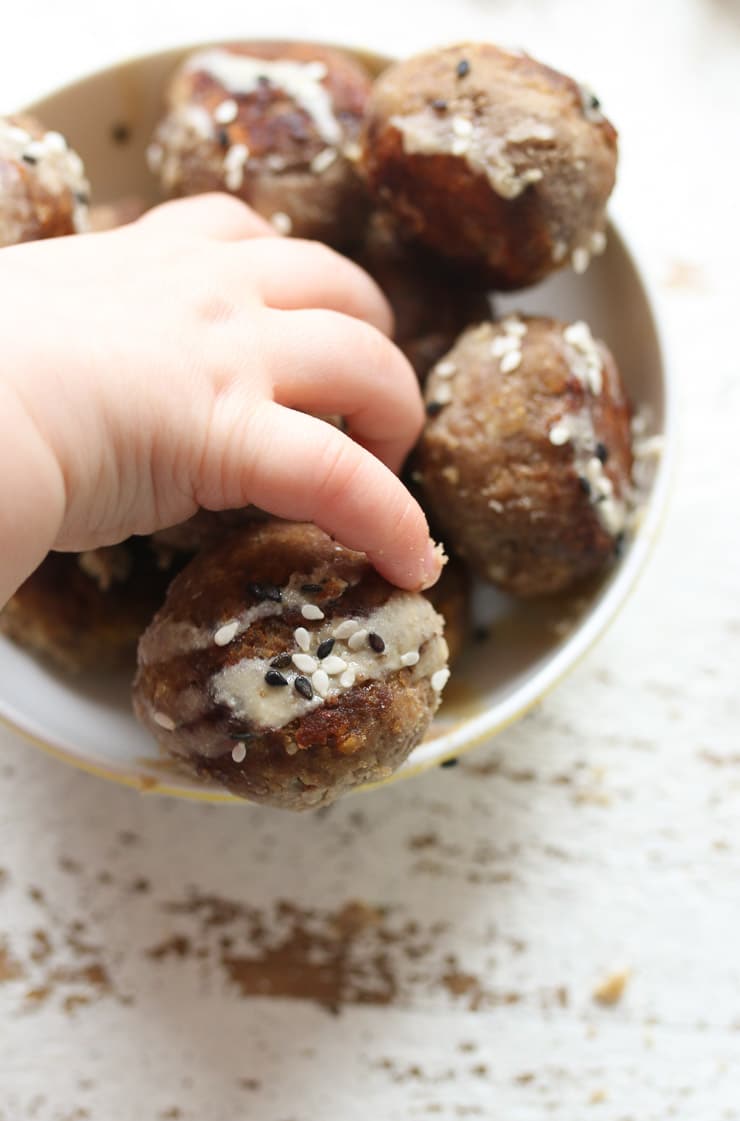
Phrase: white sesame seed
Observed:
(460, 146)
(443, 394)
(164, 721)
(559, 434)
(439, 680)
(55, 142)
(495, 505)
(312, 612)
(226, 633)
(282, 222)
(352, 151)
(410, 659)
(514, 326)
(580, 259)
(347, 679)
(345, 629)
(461, 126)
(36, 150)
(226, 112)
(236, 157)
(559, 249)
(358, 639)
(445, 369)
(323, 161)
(597, 242)
(18, 135)
(302, 639)
(320, 682)
(511, 361)
(504, 344)
(333, 665)
(305, 663)
(239, 753)
(531, 175)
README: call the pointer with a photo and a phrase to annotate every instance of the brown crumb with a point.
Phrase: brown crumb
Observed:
(610, 991)
(10, 968)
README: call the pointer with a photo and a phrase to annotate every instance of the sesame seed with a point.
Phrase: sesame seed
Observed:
(312, 612)
(584, 485)
(602, 452)
(352, 151)
(273, 677)
(55, 142)
(376, 642)
(463, 68)
(239, 753)
(597, 242)
(511, 361)
(347, 679)
(223, 138)
(345, 629)
(282, 661)
(443, 394)
(439, 679)
(323, 161)
(514, 326)
(434, 408)
(449, 763)
(357, 640)
(334, 665)
(226, 633)
(311, 589)
(29, 159)
(462, 127)
(325, 648)
(445, 369)
(303, 686)
(226, 112)
(580, 259)
(164, 721)
(265, 591)
(305, 663)
(410, 658)
(460, 146)
(320, 682)
(282, 222)
(302, 638)
(504, 344)
(559, 434)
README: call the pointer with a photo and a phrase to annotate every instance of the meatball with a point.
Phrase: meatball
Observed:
(205, 528)
(278, 125)
(431, 301)
(450, 596)
(525, 459)
(492, 159)
(87, 611)
(43, 189)
(285, 668)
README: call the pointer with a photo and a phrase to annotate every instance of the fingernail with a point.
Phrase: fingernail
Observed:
(434, 562)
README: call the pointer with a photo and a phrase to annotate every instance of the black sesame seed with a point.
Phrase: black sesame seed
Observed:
(223, 138)
(440, 105)
(120, 133)
(584, 485)
(265, 591)
(619, 543)
(31, 160)
(376, 642)
(434, 408)
(242, 737)
(324, 649)
(82, 198)
(311, 589)
(593, 101)
(303, 686)
(481, 634)
(602, 452)
(463, 68)
(282, 661)
(449, 763)
(272, 677)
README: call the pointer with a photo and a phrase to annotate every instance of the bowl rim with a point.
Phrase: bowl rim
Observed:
(472, 731)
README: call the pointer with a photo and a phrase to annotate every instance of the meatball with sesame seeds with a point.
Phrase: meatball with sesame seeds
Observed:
(525, 463)
(492, 159)
(283, 667)
(43, 189)
(274, 123)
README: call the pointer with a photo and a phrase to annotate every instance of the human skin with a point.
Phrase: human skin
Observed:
(164, 366)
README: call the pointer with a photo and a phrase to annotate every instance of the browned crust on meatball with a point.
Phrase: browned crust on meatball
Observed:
(450, 596)
(510, 502)
(328, 206)
(361, 735)
(454, 208)
(431, 300)
(80, 622)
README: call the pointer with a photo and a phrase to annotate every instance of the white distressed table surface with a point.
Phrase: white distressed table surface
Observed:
(434, 950)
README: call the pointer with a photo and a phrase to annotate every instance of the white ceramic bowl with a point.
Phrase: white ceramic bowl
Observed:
(532, 646)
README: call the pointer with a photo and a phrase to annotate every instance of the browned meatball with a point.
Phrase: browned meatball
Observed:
(87, 611)
(276, 124)
(43, 189)
(284, 667)
(450, 596)
(431, 301)
(205, 528)
(493, 159)
(525, 460)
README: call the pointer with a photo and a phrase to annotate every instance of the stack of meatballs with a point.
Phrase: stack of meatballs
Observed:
(272, 661)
